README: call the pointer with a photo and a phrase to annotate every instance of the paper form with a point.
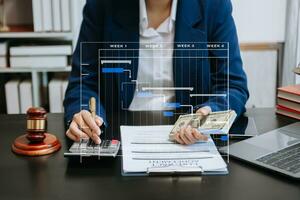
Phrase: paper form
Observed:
(147, 147)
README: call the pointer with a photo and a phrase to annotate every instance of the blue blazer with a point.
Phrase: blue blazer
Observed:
(196, 21)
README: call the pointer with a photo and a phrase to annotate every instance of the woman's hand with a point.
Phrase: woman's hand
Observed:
(85, 126)
(189, 135)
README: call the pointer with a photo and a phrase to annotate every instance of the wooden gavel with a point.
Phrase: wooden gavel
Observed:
(36, 141)
(36, 124)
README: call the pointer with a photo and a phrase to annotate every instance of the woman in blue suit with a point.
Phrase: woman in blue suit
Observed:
(167, 22)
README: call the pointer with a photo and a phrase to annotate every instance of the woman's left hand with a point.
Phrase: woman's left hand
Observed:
(188, 135)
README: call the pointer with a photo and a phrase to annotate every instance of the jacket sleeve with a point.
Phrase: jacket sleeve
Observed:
(230, 80)
(85, 65)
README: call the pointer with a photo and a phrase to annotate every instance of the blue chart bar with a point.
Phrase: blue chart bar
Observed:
(112, 70)
(172, 105)
(168, 114)
(224, 138)
(144, 94)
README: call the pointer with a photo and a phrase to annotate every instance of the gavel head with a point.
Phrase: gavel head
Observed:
(36, 124)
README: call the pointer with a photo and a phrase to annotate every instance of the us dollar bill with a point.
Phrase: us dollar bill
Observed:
(214, 123)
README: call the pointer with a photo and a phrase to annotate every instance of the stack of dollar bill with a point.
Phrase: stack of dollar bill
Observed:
(214, 123)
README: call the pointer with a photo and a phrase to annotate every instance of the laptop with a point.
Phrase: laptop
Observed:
(277, 150)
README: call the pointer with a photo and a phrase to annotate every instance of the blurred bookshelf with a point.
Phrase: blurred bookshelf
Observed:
(22, 22)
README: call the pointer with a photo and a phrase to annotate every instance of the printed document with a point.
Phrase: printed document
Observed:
(148, 149)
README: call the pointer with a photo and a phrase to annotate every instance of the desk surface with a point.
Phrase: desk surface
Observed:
(55, 177)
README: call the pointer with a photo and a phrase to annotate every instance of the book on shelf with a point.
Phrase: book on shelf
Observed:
(12, 96)
(26, 97)
(66, 15)
(19, 95)
(38, 61)
(37, 15)
(55, 105)
(57, 90)
(3, 61)
(288, 104)
(40, 50)
(47, 15)
(56, 14)
(291, 92)
(3, 48)
(3, 54)
(37, 54)
(288, 101)
(288, 112)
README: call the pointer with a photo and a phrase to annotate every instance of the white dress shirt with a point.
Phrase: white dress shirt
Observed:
(155, 68)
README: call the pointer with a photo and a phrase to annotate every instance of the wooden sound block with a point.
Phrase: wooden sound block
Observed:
(23, 146)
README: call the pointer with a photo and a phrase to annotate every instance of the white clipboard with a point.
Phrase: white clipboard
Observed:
(178, 171)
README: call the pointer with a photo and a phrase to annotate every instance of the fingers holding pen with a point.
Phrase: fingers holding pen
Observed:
(84, 126)
(87, 117)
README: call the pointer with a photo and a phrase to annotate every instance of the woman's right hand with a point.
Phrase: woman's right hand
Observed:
(83, 125)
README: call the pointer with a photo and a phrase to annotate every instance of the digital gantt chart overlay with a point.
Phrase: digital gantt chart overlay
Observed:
(119, 61)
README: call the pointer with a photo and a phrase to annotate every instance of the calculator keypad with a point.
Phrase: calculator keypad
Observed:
(106, 148)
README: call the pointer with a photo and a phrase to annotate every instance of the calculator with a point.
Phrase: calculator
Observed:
(87, 147)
